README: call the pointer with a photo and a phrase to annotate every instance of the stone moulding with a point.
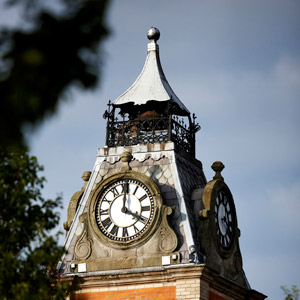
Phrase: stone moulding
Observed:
(168, 239)
(83, 246)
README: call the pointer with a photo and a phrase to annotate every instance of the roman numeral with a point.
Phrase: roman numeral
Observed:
(145, 208)
(135, 190)
(222, 240)
(135, 229)
(227, 239)
(143, 220)
(106, 223)
(115, 192)
(108, 201)
(124, 188)
(114, 230)
(143, 198)
(125, 232)
(103, 212)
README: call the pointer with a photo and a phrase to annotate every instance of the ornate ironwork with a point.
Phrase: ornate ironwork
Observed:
(149, 129)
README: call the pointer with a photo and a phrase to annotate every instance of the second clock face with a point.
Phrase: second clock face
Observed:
(224, 219)
(124, 210)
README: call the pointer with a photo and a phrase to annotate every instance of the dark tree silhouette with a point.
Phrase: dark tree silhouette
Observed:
(58, 48)
(38, 64)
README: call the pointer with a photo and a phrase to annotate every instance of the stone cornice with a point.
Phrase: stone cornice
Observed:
(169, 274)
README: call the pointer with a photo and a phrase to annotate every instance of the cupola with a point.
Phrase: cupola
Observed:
(149, 111)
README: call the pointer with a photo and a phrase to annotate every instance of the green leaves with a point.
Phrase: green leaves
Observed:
(57, 49)
(39, 64)
(290, 294)
(28, 253)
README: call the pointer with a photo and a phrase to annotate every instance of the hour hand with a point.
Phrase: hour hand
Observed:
(224, 219)
(129, 212)
(137, 216)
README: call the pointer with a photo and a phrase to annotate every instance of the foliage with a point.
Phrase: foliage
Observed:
(291, 294)
(57, 48)
(28, 253)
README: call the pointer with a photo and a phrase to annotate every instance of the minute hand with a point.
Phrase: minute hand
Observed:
(124, 209)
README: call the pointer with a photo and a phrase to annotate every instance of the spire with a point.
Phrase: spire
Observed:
(151, 85)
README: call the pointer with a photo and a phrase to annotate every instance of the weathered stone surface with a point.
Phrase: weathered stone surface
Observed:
(74, 202)
(83, 246)
(226, 261)
(156, 163)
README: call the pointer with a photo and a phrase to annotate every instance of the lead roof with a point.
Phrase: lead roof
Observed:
(151, 84)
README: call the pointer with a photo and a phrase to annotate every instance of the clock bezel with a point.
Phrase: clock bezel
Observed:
(111, 215)
(217, 229)
(151, 227)
(221, 187)
(210, 194)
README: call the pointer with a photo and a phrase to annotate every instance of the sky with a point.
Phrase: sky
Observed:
(236, 65)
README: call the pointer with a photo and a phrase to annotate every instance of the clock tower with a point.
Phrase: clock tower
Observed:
(147, 224)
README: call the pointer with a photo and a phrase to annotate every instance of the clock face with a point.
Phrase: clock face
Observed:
(224, 219)
(124, 210)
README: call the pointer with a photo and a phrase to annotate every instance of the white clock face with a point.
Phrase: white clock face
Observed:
(124, 210)
(224, 218)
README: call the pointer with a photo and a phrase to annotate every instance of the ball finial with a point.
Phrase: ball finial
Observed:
(126, 158)
(153, 34)
(218, 167)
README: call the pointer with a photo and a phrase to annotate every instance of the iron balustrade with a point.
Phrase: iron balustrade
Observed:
(150, 130)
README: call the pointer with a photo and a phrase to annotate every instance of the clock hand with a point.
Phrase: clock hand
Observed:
(225, 222)
(129, 212)
(124, 209)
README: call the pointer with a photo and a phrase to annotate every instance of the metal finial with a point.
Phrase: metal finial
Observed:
(153, 34)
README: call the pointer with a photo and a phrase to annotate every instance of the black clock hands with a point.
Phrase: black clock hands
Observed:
(129, 212)
(225, 222)
(124, 209)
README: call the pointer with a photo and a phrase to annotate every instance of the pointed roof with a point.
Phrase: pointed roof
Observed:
(151, 85)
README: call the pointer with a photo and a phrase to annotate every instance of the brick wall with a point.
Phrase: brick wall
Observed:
(182, 283)
(127, 293)
(188, 289)
(182, 290)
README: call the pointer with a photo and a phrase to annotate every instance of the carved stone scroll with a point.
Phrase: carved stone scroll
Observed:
(83, 246)
(168, 238)
(74, 202)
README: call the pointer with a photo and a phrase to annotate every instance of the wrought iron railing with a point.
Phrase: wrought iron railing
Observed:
(150, 130)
